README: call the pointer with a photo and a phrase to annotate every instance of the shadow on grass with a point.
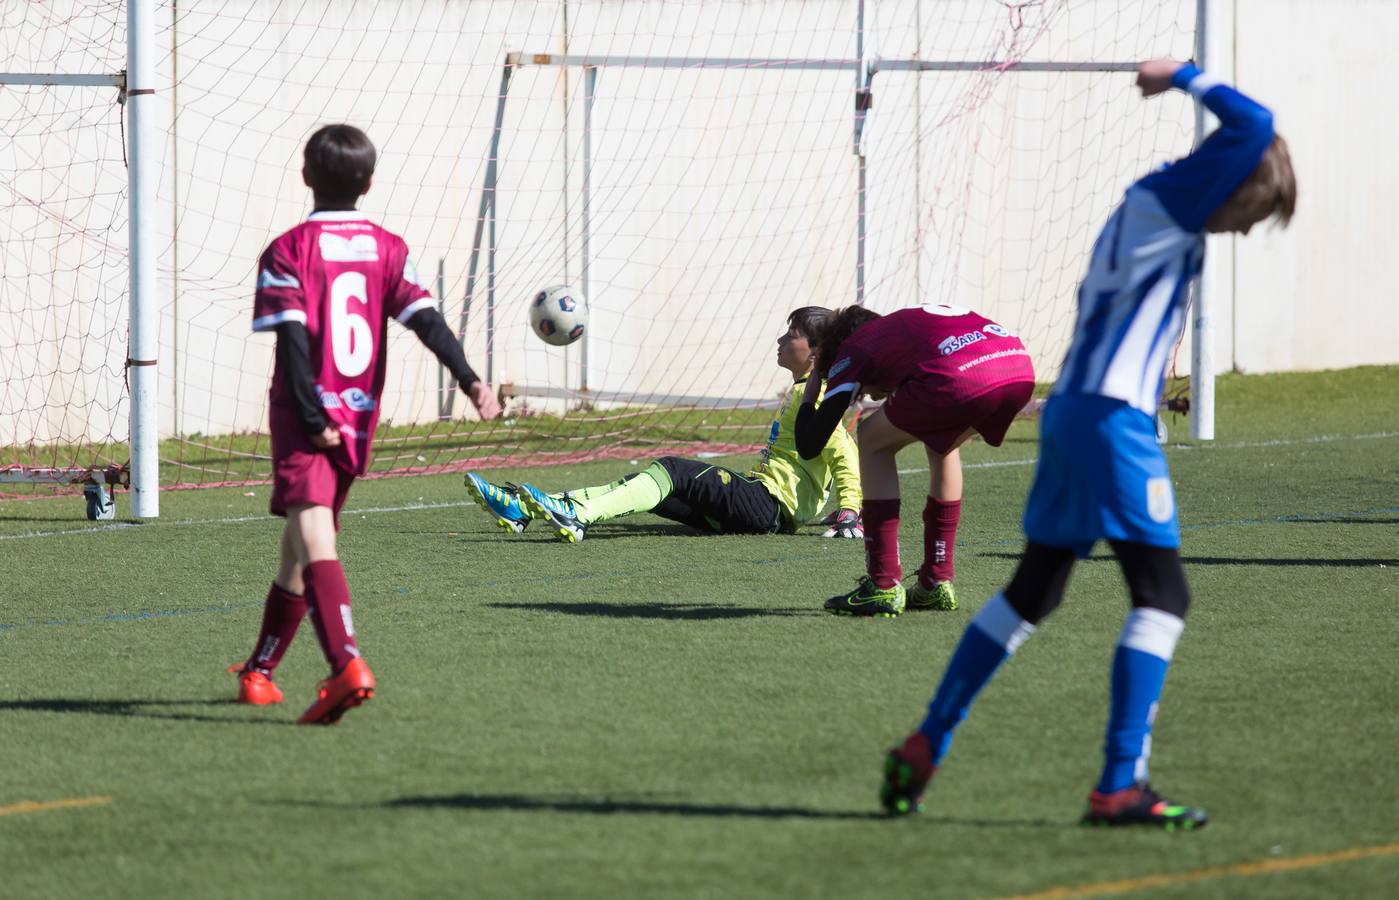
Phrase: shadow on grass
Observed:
(608, 807)
(606, 532)
(1318, 562)
(672, 611)
(1257, 561)
(141, 709)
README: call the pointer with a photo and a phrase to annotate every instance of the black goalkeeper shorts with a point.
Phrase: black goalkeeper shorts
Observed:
(712, 498)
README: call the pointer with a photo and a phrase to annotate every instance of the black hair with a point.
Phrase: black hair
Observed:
(808, 321)
(841, 325)
(339, 161)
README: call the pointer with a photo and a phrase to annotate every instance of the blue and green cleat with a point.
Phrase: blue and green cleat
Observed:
(869, 600)
(501, 503)
(1140, 805)
(559, 512)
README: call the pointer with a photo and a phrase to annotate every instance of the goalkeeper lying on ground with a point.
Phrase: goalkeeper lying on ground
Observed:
(781, 492)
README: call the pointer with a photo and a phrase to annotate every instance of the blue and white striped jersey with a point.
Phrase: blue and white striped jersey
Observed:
(1131, 305)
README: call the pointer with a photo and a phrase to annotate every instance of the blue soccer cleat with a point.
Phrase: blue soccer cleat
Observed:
(501, 503)
(559, 512)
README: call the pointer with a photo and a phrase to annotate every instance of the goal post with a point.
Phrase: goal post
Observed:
(90, 463)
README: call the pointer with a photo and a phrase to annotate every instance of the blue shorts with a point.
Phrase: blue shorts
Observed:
(1101, 476)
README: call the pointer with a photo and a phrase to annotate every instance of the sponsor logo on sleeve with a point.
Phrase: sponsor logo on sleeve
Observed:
(994, 329)
(410, 274)
(270, 279)
(840, 366)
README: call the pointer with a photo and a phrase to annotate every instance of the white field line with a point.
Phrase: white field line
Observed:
(415, 507)
(1237, 445)
(231, 520)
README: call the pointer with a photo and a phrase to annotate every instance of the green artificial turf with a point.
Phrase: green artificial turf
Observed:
(654, 713)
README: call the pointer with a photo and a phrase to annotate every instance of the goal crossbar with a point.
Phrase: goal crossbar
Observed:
(64, 79)
(779, 64)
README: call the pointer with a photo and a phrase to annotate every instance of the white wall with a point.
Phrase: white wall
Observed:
(720, 199)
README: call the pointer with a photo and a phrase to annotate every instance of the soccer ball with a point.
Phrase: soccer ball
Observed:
(559, 315)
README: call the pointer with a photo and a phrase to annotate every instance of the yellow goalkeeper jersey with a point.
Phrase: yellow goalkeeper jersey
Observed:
(801, 486)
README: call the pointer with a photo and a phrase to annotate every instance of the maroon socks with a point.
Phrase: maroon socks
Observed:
(881, 519)
(281, 616)
(940, 519)
(328, 596)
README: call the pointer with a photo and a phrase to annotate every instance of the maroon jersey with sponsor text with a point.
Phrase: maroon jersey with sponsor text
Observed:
(342, 277)
(960, 353)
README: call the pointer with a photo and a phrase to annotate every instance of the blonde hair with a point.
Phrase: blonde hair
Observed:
(1272, 184)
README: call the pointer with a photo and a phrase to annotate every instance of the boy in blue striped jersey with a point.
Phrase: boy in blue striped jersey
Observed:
(1101, 475)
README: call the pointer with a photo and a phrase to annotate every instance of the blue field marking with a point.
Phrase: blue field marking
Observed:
(121, 617)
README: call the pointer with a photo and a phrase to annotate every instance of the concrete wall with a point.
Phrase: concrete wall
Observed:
(720, 198)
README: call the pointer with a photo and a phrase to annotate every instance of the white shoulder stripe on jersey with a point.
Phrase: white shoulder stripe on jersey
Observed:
(848, 386)
(945, 309)
(269, 322)
(414, 307)
(1203, 83)
(269, 279)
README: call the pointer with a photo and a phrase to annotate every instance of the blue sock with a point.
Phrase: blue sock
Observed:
(1138, 673)
(989, 640)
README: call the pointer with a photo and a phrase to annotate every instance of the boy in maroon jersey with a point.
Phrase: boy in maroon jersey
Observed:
(949, 373)
(328, 288)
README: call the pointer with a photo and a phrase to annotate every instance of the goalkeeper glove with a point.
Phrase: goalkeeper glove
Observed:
(845, 523)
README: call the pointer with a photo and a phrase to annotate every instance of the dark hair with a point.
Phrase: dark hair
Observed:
(808, 321)
(339, 162)
(836, 329)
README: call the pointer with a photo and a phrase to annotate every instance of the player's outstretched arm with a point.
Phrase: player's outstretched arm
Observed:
(432, 330)
(1192, 188)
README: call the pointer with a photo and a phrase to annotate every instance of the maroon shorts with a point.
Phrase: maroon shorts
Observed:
(927, 412)
(301, 474)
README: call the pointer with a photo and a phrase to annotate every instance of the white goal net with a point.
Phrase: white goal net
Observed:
(699, 166)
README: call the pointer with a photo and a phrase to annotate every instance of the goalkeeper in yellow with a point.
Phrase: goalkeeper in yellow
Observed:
(781, 491)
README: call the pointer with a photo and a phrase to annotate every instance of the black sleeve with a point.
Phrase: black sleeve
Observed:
(816, 424)
(294, 361)
(432, 330)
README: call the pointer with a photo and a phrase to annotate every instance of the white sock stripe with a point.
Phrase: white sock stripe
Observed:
(1152, 631)
(1002, 624)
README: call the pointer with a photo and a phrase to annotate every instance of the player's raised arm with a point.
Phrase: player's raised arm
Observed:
(417, 311)
(1195, 188)
(427, 323)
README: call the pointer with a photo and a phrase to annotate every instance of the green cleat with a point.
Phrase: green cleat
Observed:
(941, 596)
(1140, 805)
(907, 771)
(869, 600)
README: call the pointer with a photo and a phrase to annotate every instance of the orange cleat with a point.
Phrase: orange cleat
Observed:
(255, 688)
(353, 686)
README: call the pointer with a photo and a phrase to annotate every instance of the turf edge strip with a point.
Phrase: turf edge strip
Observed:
(33, 806)
(1244, 869)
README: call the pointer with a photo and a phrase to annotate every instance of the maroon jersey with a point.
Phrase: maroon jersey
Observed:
(341, 277)
(960, 353)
